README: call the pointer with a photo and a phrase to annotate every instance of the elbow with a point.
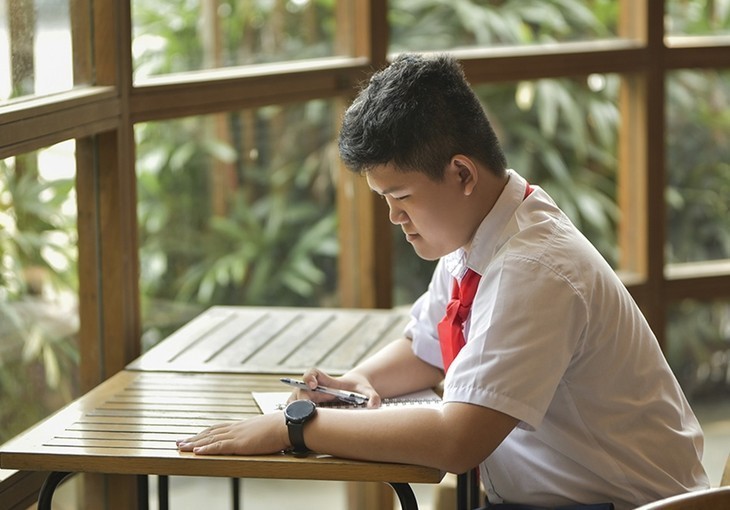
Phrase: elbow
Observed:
(461, 425)
(459, 459)
(458, 468)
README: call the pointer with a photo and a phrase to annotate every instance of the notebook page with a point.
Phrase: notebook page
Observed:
(272, 401)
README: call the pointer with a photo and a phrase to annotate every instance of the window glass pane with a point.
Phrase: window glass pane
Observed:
(430, 25)
(236, 209)
(38, 286)
(188, 35)
(35, 48)
(560, 134)
(698, 347)
(698, 350)
(698, 166)
(697, 17)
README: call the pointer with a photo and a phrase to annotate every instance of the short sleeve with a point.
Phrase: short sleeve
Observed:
(426, 313)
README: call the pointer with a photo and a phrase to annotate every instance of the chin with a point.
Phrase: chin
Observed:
(429, 253)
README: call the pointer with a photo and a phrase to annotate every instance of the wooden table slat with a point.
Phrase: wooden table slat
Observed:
(193, 332)
(277, 340)
(224, 342)
(373, 333)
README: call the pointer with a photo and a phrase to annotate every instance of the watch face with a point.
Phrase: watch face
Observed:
(299, 410)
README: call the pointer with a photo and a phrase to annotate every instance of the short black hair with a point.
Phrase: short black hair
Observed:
(417, 113)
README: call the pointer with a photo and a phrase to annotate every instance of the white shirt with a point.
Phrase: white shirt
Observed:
(555, 340)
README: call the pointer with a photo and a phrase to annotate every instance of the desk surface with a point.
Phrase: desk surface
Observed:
(129, 424)
(260, 340)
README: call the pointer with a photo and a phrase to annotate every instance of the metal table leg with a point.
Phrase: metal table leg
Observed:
(235, 494)
(143, 492)
(45, 496)
(467, 490)
(405, 495)
(163, 492)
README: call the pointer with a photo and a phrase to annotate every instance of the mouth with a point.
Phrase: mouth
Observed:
(411, 237)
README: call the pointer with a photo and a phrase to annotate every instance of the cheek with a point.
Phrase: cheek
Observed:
(446, 224)
(439, 226)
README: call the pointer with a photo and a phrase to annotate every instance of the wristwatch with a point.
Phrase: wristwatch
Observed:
(298, 413)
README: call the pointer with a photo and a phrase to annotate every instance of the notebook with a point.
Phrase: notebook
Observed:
(271, 401)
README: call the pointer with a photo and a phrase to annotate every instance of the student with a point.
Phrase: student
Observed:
(560, 394)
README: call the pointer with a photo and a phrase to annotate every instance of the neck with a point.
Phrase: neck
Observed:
(485, 195)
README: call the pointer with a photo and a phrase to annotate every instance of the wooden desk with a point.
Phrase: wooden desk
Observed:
(129, 423)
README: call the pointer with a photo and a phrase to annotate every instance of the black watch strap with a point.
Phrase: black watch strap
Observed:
(296, 438)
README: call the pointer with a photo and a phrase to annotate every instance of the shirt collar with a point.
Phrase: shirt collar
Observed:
(486, 239)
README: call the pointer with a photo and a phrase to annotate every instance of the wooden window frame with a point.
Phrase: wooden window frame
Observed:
(101, 117)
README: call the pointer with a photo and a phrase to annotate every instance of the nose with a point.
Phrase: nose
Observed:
(396, 215)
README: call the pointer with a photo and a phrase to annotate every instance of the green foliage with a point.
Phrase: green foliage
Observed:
(698, 347)
(698, 166)
(176, 35)
(269, 237)
(34, 231)
(38, 351)
(274, 243)
(698, 212)
(426, 25)
(693, 17)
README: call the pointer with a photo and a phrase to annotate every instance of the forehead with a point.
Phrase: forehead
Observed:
(384, 179)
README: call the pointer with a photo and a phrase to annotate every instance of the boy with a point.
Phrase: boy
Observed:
(554, 383)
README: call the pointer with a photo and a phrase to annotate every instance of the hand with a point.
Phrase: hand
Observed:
(255, 436)
(348, 382)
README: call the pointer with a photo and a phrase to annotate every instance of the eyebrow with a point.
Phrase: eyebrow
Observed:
(389, 191)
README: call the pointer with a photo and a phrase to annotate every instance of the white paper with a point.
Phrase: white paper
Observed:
(272, 401)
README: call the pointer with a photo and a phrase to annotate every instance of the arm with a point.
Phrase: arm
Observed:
(441, 438)
(454, 439)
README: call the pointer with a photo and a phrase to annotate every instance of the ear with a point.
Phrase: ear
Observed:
(465, 171)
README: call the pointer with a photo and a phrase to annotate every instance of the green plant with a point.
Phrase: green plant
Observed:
(427, 25)
(698, 166)
(38, 351)
(270, 237)
(173, 36)
(236, 208)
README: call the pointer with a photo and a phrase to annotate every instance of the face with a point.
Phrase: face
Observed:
(434, 215)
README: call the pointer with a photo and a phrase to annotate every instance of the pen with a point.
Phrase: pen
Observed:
(347, 396)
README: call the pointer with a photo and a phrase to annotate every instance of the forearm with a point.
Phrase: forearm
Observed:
(383, 435)
(454, 438)
(396, 370)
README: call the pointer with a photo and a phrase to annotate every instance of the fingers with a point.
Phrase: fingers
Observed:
(204, 439)
(254, 436)
(348, 382)
(373, 399)
(313, 378)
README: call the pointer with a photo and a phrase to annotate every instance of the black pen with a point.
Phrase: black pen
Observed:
(348, 396)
